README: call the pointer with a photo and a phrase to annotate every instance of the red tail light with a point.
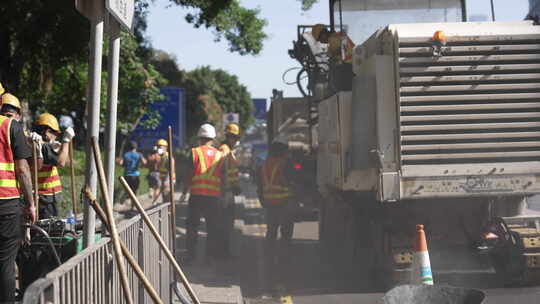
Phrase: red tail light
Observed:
(297, 166)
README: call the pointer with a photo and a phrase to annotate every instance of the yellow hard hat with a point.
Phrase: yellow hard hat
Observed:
(9, 99)
(162, 142)
(48, 120)
(2, 89)
(316, 30)
(233, 129)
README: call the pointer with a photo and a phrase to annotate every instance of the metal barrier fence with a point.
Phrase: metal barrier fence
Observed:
(91, 275)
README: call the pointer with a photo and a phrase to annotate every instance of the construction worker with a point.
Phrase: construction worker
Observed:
(162, 147)
(10, 106)
(153, 164)
(230, 180)
(14, 170)
(340, 52)
(51, 154)
(204, 182)
(277, 197)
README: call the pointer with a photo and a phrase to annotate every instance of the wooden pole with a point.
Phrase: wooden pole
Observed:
(131, 260)
(72, 165)
(110, 218)
(160, 241)
(173, 205)
(35, 176)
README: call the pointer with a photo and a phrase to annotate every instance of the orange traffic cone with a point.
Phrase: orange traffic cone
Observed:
(421, 268)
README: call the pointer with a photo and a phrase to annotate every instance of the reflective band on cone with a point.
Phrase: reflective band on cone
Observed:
(421, 268)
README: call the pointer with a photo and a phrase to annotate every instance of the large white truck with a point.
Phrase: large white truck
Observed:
(440, 133)
(441, 128)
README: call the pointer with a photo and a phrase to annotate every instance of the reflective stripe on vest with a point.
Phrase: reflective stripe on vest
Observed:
(274, 190)
(164, 168)
(8, 179)
(206, 179)
(49, 180)
(231, 165)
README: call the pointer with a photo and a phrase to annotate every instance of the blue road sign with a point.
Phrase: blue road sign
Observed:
(173, 113)
(259, 110)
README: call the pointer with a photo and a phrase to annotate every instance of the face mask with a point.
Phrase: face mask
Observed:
(160, 151)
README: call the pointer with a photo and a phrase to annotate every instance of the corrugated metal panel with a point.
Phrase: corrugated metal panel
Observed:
(479, 102)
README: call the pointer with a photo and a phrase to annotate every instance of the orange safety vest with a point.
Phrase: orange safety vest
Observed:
(231, 164)
(8, 178)
(164, 168)
(275, 190)
(207, 162)
(49, 180)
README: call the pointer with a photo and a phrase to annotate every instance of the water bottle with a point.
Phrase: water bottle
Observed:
(71, 221)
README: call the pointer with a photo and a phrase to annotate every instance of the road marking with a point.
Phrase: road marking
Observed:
(287, 300)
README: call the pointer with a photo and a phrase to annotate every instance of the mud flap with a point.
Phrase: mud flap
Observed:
(424, 294)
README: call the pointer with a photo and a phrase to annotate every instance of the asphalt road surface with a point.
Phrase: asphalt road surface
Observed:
(303, 277)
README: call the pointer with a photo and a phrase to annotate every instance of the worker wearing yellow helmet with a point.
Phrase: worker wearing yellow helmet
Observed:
(231, 186)
(10, 106)
(158, 165)
(52, 154)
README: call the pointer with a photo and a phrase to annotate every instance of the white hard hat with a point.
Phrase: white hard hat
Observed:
(207, 131)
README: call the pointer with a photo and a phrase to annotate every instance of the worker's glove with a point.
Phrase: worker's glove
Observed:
(55, 145)
(69, 133)
(34, 137)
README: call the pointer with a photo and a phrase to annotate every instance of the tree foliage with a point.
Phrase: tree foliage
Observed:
(209, 92)
(241, 27)
(44, 54)
(308, 4)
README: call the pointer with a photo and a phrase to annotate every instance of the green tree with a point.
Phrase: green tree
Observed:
(225, 88)
(308, 4)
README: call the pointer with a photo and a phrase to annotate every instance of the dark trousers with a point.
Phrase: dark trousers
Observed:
(48, 205)
(10, 238)
(208, 207)
(133, 182)
(280, 217)
(229, 216)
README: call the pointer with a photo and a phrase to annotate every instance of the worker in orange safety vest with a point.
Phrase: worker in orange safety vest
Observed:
(204, 181)
(277, 197)
(231, 186)
(15, 178)
(51, 155)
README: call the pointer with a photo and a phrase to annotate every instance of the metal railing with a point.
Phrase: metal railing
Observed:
(91, 276)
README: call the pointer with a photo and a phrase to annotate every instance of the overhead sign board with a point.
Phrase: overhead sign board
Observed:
(173, 113)
(122, 11)
(231, 118)
(369, 5)
(84, 7)
(259, 108)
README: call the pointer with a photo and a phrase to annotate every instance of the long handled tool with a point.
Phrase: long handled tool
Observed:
(112, 224)
(160, 241)
(171, 193)
(35, 176)
(131, 260)
(72, 167)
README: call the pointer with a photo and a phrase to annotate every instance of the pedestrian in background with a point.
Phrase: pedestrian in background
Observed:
(131, 161)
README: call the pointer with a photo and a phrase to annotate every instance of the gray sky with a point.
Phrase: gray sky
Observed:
(195, 47)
